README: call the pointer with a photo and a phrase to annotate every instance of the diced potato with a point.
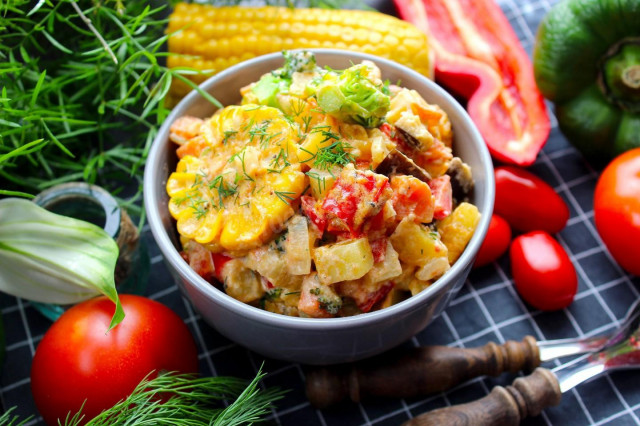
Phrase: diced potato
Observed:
(282, 301)
(381, 146)
(321, 181)
(415, 244)
(357, 139)
(271, 263)
(433, 269)
(387, 269)
(343, 261)
(457, 229)
(240, 282)
(417, 285)
(318, 300)
(296, 246)
(403, 280)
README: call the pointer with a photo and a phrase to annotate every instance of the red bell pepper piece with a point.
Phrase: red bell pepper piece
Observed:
(310, 209)
(379, 249)
(479, 57)
(443, 195)
(219, 260)
(356, 196)
(375, 297)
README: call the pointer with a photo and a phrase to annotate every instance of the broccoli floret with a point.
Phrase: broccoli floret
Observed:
(298, 61)
(352, 97)
(265, 91)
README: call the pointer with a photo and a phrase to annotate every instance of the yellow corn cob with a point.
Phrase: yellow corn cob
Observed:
(214, 38)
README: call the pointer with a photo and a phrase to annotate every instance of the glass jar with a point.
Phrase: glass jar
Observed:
(94, 204)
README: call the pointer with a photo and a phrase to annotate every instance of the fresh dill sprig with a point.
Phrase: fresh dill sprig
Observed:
(8, 419)
(81, 100)
(285, 196)
(181, 399)
(333, 155)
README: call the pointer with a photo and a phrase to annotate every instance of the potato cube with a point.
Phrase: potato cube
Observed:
(387, 269)
(457, 229)
(415, 244)
(296, 246)
(240, 282)
(346, 260)
(433, 269)
(321, 181)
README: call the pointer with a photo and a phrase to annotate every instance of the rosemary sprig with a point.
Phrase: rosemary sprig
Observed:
(82, 93)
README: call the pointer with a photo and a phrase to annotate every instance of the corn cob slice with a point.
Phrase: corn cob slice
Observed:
(214, 38)
(225, 195)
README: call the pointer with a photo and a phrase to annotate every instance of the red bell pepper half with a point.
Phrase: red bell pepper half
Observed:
(479, 57)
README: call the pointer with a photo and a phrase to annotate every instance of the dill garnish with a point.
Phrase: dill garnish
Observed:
(279, 162)
(223, 189)
(187, 399)
(333, 155)
(285, 196)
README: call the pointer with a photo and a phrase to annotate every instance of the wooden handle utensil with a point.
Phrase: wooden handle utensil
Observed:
(504, 406)
(418, 372)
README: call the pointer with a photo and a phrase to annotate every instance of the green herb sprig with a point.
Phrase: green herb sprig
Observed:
(182, 399)
(82, 93)
(179, 399)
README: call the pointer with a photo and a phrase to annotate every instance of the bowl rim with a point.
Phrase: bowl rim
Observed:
(171, 254)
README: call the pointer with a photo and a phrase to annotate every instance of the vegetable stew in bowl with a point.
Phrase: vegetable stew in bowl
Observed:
(324, 193)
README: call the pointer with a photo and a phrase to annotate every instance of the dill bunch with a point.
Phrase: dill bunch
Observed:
(82, 88)
(181, 399)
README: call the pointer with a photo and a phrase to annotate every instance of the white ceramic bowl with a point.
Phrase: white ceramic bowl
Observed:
(311, 340)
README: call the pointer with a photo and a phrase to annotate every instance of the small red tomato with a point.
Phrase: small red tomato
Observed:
(617, 209)
(78, 359)
(527, 202)
(542, 271)
(496, 242)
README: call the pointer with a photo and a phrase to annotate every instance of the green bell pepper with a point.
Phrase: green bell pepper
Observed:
(587, 61)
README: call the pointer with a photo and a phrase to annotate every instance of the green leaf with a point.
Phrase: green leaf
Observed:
(36, 7)
(50, 258)
(56, 43)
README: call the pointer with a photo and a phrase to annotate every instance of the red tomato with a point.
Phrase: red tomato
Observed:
(496, 242)
(527, 202)
(542, 271)
(77, 359)
(617, 209)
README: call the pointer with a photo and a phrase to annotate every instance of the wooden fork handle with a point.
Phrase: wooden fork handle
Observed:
(418, 372)
(527, 397)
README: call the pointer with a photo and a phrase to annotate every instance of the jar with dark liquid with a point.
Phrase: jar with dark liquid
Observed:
(94, 204)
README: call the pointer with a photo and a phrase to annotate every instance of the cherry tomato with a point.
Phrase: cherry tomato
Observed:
(77, 359)
(527, 202)
(542, 271)
(496, 242)
(617, 209)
